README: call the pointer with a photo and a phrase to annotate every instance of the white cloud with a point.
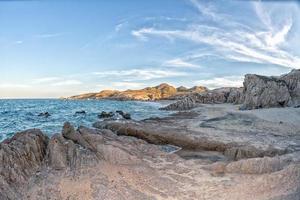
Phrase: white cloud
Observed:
(49, 35)
(140, 74)
(178, 62)
(18, 42)
(263, 15)
(67, 83)
(46, 80)
(121, 25)
(13, 85)
(226, 81)
(127, 85)
(234, 40)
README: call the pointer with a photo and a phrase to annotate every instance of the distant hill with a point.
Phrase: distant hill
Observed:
(162, 91)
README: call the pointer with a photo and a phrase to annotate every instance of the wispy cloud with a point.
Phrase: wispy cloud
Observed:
(67, 83)
(234, 41)
(47, 80)
(120, 25)
(140, 74)
(127, 85)
(49, 35)
(226, 81)
(14, 85)
(18, 42)
(56, 81)
(180, 63)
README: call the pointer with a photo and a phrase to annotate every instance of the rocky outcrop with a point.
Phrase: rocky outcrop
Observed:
(265, 92)
(162, 91)
(258, 92)
(292, 81)
(119, 114)
(20, 157)
(220, 95)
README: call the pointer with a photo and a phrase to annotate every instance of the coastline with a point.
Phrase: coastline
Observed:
(227, 143)
(217, 143)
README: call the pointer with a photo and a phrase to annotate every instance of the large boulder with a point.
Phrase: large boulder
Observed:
(20, 157)
(265, 92)
(61, 152)
(292, 80)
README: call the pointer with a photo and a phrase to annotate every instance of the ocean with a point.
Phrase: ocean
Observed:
(21, 114)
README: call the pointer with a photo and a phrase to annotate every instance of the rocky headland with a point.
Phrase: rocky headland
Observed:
(160, 92)
(221, 147)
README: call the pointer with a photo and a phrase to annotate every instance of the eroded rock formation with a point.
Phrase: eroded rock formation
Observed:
(258, 92)
(220, 95)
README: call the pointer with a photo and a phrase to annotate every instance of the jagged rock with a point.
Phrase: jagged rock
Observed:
(123, 114)
(265, 92)
(117, 115)
(61, 152)
(104, 114)
(220, 95)
(44, 114)
(184, 104)
(235, 96)
(80, 112)
(292, 80)
(69, 133)
(20, 157)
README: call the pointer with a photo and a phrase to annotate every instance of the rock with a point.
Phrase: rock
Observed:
(104, 114)
(61, 152)
(265, 92)
(221, 95)
(112, 115)
(257, 165)
(181, 89)
(184, 104)
(69, 133)
(292, 80)
(21, 156)
(123, 114)
(44, 114)
(80, 112)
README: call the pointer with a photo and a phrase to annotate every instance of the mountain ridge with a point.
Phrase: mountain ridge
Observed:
(159, 92)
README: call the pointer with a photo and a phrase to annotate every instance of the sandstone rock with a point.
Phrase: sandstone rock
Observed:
(265, 92)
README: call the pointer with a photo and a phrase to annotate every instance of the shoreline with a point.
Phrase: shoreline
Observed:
(216, 143)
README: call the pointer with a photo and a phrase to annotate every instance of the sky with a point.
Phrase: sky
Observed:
(61, 47)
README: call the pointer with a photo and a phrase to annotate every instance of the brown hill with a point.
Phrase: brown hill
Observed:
(162, 91)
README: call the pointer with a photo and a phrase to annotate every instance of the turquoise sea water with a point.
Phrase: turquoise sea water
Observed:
(18, 115)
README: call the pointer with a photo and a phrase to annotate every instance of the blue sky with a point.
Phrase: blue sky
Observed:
(61, 48)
